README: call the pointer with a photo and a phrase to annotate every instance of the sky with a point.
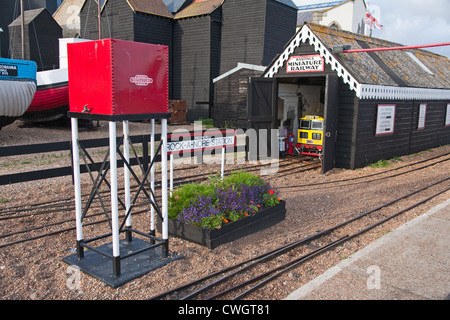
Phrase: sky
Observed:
(410, 22)
(414, 22)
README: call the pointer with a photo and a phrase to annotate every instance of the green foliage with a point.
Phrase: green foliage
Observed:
(183, 196)
(217, 202)
(208, 123)
(243, 177)
(212, 222)
(380, 164)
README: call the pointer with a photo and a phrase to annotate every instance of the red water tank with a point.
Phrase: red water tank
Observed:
(117, 77)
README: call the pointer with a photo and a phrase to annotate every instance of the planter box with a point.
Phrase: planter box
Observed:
(230, 231)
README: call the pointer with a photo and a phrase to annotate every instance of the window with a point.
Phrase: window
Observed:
(317, 125)
(317, 136)
(305, 124)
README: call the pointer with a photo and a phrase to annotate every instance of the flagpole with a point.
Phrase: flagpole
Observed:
(370, 24)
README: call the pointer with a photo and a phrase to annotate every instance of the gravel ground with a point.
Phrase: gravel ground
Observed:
(35, 270)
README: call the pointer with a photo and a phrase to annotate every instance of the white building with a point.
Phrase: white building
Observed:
(348, 15)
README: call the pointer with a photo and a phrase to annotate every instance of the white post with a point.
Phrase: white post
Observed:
(77, 185)
(126, 174)
(165, 225)
(152, 176)
(222, 169)
(114, 202)
(171, 173)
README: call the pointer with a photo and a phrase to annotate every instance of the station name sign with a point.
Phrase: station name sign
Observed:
(311, 63)
(189, 145)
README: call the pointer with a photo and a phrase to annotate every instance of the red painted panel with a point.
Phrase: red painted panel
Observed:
(50, 98)
(117, 77)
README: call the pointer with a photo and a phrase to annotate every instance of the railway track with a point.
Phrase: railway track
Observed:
(255, 277)
(65, 207)
(241, 280)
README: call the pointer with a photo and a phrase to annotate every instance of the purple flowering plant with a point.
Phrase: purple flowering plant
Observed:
(210, 205)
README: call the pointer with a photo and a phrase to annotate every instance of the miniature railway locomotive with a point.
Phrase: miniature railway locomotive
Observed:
(310, 136)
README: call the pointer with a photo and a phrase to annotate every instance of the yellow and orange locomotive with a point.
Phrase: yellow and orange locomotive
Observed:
(310, 136)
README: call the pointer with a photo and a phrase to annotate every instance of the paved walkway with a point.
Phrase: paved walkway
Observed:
(410, 263)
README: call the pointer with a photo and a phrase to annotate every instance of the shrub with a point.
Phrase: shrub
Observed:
(212, 204)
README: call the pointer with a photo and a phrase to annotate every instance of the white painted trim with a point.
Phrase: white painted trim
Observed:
(239, 67)
(363, 91)
(401, 93)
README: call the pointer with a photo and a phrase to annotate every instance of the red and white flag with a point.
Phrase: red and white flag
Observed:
(371, 21)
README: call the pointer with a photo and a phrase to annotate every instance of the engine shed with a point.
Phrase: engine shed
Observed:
(376, 105)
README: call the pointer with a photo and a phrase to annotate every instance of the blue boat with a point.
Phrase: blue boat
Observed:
(17, 88)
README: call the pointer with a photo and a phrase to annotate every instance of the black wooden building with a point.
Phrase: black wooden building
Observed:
(206, 37)
(41, 34)
(230, 95)
(376, 105)
(131, 20)
(196, 54)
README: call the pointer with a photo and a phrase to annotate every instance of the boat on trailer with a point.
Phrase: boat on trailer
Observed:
(51, 101)
(17, 88)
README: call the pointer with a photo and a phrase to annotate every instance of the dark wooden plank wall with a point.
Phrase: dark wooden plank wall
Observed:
(407, 139)
(435, 133)
(371, 148)
(89, 20)
(156, 30)
(242, 33)
(281, 24)
(346, 134)
(215, 45)
(192, 64)
(41, 41)
(230, 102)
(117, 20)
(43, 34)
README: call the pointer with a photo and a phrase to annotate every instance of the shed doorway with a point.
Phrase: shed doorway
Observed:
(291, 99)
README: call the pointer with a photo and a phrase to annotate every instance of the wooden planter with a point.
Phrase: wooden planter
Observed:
(230, 231)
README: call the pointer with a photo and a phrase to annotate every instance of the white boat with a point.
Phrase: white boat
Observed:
(17, 88)
(51, 101)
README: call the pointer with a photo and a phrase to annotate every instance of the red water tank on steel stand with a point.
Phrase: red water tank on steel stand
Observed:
(118, 81)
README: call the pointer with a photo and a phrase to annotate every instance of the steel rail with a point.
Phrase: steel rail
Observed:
(292, 264)
(69, 200)
(254, 261)
(376, 174)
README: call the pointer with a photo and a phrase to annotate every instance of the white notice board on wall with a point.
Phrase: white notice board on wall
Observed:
(447, 116)
(385, 119)
(422, 116)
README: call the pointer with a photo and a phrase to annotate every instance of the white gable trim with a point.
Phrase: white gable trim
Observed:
(363, 91)
(239, 67)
